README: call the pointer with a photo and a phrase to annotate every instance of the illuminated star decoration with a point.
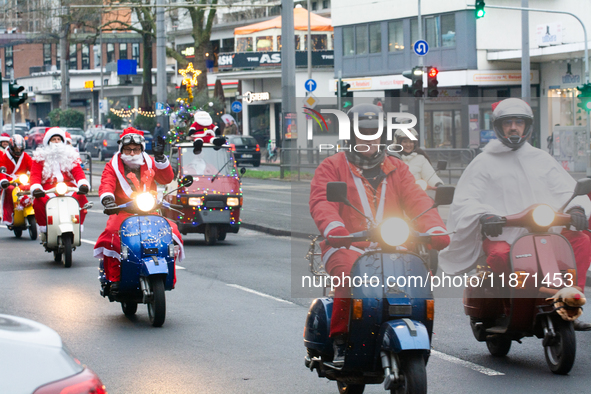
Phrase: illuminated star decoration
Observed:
(189, 82)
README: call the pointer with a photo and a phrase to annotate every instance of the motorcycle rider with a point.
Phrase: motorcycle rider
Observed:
(4, 142)
(417, 160)
(128, 172)
(509, 176)
(56, 162)
(379, 185)
(16, 162)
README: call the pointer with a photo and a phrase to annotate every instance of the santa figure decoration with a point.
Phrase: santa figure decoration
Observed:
(203, 128)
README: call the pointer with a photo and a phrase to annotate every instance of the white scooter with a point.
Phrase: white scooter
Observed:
(63, 224)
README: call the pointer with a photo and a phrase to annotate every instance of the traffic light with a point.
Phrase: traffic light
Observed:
(16, 98)
(585, 97)
(344, 89)
(416, 77)
(432, 82)
(479, 12)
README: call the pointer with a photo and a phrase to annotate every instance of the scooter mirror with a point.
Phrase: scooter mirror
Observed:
(444, 195)
(441, 165)
(187, 181)
(336, 192)
(242, 171)
(583, 187)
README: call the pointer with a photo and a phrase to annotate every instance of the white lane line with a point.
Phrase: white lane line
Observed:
(467, 364)
(88, 242)
(178, 267)
(3, 226)
(258, 293)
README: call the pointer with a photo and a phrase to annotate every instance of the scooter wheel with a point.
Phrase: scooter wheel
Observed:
(498, 346)
(560, 353)
(345, 388)
(18, 232)
(414, 372)
(129, 308)
(67, 241)
(157, 306)
(32, 227)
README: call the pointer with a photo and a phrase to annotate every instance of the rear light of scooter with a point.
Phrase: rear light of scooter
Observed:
(357, 309)
(104, 142)
(430, 309)
(573, 272)
(86, 382)
(258, 149)
(50, 220)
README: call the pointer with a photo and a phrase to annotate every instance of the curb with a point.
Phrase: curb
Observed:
(275, 232)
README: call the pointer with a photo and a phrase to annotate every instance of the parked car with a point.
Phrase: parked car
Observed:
(78, 139)
(35, 137)
(19, 129)
(104, 144)
(149, 141)
(35, 360)
(246, 149)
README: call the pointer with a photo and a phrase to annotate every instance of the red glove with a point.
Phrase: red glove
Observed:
(439, 242)
(338, 242)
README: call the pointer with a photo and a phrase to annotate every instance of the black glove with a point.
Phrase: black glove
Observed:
(110, 205)
(83, 189)
(492, 225)
(4, 183)
(578, 219)
(158, 150)
(38, 193)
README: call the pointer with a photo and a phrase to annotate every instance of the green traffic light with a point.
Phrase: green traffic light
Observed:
(347, 104)
(480, 13)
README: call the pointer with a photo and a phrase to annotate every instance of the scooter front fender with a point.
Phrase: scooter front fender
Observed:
(153, 265)
(404, 334)
(65, 228)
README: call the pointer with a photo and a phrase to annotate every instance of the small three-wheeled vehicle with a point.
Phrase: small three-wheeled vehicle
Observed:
(211, 205)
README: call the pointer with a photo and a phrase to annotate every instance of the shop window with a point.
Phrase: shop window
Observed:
(278, 43)
(110, 53)
(265, 44)
(432, 31)
(298, 39)
(244, 44)
(228, 45)
(47, 54)
(73, 63)
(448, 30)
(361, 40)
(319, 42)
(348, 41)
(395, 36)
(135, 53)
(122, 51)
(375, 38)
(85, 57)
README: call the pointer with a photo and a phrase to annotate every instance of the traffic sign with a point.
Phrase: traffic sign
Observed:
(103, 106)
(310, 85)
(421, 47)
(310, 101)
(159, 109)
(236, 106)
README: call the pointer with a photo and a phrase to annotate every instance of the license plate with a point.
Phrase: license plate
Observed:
(247, 156)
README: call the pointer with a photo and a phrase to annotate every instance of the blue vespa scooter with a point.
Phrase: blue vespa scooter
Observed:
(147, 257)
(391, 322)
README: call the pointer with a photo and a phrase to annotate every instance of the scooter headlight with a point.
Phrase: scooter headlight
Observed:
(61, 188)
(394, 231)
(543, 215)
(422, 184)
(23, 179)
(145, 202)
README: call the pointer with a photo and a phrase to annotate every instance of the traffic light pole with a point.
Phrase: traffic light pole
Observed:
(421, 98)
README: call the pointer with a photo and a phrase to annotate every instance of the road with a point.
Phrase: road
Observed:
(233, 325)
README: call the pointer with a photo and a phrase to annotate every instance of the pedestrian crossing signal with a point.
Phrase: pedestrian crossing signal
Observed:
(480, 9)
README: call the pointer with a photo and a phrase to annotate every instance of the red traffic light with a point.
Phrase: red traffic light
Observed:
(433, 72)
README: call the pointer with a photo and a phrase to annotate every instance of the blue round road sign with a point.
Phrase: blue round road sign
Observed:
(236, 106)
(421, 47)
(310, 85)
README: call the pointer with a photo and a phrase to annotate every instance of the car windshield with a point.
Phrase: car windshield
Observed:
(209, 162)
(113, 136)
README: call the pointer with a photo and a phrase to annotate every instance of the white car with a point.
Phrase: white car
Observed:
(33, 359)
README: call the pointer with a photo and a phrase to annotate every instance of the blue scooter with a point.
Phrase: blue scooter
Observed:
(147, 257)
(391, 322)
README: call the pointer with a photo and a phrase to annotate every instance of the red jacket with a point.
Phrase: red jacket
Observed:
(116, 184)
(14, 168)
(402, 196)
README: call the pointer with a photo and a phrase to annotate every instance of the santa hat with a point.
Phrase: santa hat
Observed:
(131, 131)
(4, 137)
(68, 137)
(203, 118)
(51, 132)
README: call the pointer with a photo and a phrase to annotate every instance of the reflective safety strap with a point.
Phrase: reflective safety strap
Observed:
(364, 201)
(122, 181)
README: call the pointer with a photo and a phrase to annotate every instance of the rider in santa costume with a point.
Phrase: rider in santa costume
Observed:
(16, 162)
(203, 127)
(129, 170)
(4, 141)
(53, 163)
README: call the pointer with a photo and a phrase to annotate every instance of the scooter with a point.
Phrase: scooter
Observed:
(24, 216)
(508, 307)
(391, 321)
(147, 257)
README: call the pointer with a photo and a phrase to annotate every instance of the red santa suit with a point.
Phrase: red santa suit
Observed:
(122, 187)
(54, 163)
(203, 127)
(14, 168)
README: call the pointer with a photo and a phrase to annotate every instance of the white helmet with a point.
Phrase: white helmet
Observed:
(513, 108)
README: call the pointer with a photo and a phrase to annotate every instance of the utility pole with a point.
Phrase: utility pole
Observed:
(421, 98)
(287, 69)
(64, 49)
(525, 65)
(102, 95)
(161, 91)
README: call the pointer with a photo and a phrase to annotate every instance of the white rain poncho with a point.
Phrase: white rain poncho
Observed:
(502, 182)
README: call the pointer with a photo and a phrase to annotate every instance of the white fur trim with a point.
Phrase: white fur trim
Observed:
(4, 139)
(332, 226)
(162, 166)
(83, 182)
(106, 195)
(181, 255)
(101, 252)
(42, 229)
(438, 228)
(35, 187)
(54, 131)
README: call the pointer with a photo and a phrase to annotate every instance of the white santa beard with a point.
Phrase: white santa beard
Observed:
(133, 162)
(57, 158)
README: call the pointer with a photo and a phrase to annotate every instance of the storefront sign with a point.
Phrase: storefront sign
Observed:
(88, 84)
(271, 59)
(549, 34)
(484, 78)
(250, 97)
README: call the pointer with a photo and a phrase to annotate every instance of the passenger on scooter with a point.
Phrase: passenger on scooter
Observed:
(416, 159)
(509, 176)
(379, 185)
(130, 169)
(4, 142)
(53, 163)
(16, 162)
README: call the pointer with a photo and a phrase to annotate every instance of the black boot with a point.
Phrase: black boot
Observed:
(339, 345)
(581, 326)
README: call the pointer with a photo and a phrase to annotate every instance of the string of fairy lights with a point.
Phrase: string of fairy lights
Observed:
(127, 113)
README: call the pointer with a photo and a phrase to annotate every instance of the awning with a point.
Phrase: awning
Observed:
(300, 19)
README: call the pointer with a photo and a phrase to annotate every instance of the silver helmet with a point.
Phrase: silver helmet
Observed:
(513, 108)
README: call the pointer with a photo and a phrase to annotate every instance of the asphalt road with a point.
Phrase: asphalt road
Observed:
(233, 326)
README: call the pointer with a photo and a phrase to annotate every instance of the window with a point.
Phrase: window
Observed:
(73, 63)
(85, 57)
(361, 40)
(244, 44)
(375, 38)
(278, 43)
(432, 31)
(228, 45)
(395, 36)
(122, 51)
(264, 44)
(47, 54)
(297, 42)
(348, 41)
(325, 4)
(8, 61)
(319, 42)
(448, 30)
(314, 5)
(135, 53)
(110, 53)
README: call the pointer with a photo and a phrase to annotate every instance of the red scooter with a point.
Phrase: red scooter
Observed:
(524, 303)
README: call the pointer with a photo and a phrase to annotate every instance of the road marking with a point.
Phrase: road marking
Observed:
(88, 242)
(178, 267)
(258, 293)
(467, 364)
